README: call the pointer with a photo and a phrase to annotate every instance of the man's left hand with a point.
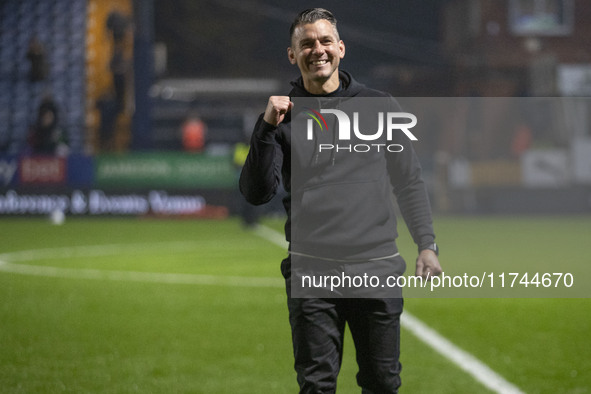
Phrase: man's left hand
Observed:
(428, 264)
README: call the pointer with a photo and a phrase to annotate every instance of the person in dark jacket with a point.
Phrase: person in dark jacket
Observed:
(46, 137)
(318, 323)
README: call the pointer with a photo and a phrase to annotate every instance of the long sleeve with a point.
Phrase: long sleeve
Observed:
(261, 172)
(411, 195)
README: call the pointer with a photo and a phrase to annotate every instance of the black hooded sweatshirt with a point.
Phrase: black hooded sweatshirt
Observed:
(343, 208)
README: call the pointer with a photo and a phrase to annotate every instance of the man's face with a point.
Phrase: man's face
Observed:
(317, 51)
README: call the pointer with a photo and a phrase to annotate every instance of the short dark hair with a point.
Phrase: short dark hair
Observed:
(312, 15)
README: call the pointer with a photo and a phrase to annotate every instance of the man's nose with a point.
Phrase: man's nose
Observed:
(318, 48)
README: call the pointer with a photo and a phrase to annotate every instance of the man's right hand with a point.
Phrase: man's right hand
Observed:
(277, 107)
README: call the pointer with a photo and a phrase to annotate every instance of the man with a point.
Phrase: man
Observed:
(318, 323)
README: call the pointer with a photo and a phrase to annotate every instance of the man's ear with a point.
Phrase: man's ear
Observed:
(342, 48)
(291, 55)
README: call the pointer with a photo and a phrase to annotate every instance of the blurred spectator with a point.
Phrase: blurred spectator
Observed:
(109, 109)
(45, 136)
(119, 68)
(522, 140)
(118, 24)
(193, 131)
(249, 213)
(38, 59)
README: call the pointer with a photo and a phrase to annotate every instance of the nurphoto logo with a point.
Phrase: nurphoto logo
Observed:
(390, 119)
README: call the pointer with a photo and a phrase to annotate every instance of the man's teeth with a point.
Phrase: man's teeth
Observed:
(318, 62)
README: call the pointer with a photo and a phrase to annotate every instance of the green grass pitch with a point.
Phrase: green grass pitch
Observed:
(60, 333)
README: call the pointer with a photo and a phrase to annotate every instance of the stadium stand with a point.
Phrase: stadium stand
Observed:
(59, 26)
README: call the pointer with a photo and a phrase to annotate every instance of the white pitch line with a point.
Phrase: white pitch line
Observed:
(7, 265)
(467, 362)
(138, 276)
(271, 235)
(462, 359)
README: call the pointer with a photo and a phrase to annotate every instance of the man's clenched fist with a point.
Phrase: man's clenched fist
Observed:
(277, 107)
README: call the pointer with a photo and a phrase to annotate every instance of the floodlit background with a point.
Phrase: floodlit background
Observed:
(128, 261)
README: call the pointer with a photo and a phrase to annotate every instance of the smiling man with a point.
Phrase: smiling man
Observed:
(318, 324)
(317, 51)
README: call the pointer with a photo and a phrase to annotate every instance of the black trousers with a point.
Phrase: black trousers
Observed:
(318, 327)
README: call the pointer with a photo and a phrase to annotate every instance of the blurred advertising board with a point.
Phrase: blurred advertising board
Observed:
(169, 170)
(99, 202)
(8, 170)
(42, 170)
(157, 184)
(164, 170)
(31, 172)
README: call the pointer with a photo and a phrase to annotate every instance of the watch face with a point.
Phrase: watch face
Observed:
(435, 248)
